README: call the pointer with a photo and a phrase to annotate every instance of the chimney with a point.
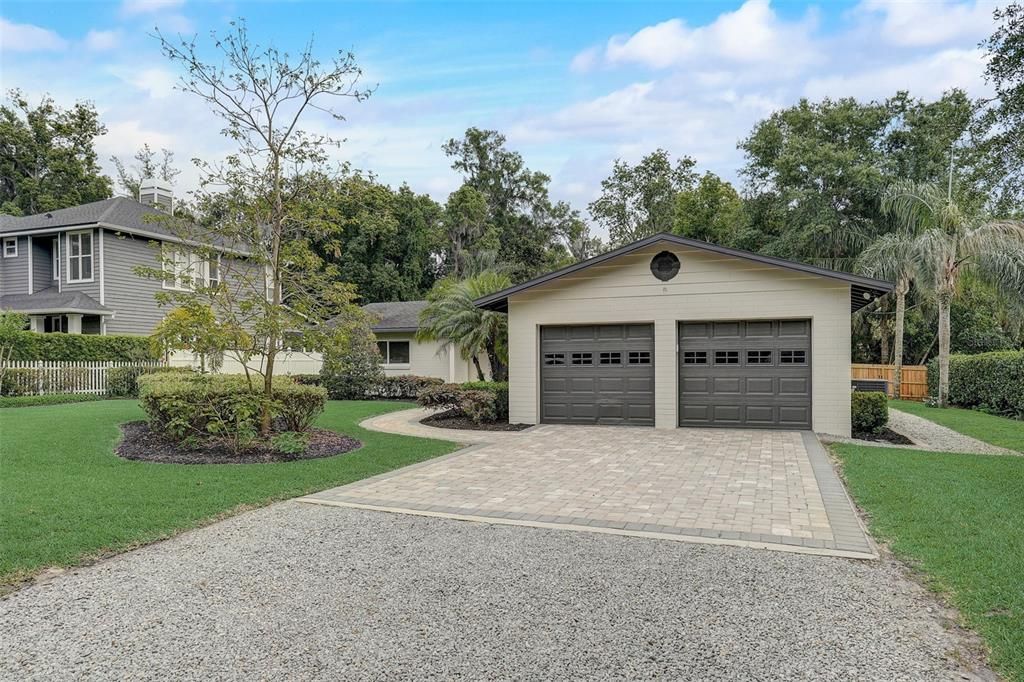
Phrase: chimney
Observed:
(158, 194)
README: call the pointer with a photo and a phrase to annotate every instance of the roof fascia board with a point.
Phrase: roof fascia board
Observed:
(155, 236)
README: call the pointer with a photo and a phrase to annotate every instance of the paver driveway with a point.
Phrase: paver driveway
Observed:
(768, 488)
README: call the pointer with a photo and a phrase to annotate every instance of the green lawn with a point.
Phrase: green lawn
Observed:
(960, 520)
(65, 496)
(1006, 433)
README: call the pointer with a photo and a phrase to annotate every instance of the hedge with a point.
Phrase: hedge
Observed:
(224, 406)
(81, 347)
(992, 382)
(51, 399)
(869, 412)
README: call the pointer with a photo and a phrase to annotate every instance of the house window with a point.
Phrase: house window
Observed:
(55, 324)
(213, 271)
(554, 358)
(611, 358)
(10, 247)
(582, 358)
(80, 257)
(394, 352)
(727, 357)
(55, 256)
(792, 357)
(182, 269)
(695, 357)
(759, 357)
(639, 357)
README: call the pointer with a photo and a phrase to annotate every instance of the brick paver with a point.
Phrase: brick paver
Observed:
(730, 484)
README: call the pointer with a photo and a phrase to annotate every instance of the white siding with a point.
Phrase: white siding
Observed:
(429, 359)
(708, 287)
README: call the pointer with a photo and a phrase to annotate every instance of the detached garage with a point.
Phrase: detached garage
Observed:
(671, 332)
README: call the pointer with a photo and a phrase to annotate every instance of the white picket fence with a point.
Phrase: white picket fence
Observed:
(43, 377)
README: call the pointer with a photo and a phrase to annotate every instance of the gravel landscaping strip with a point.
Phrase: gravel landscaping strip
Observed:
(927, 435)
(304, 592)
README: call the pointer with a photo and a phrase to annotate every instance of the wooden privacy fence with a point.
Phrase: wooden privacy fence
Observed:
(43, 377)
(915, 379)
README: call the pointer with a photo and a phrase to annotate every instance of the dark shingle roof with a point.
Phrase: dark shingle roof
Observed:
(52, 301)
(119, 211)
(398, 316)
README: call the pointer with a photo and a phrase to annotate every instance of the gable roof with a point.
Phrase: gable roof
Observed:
(863, 290)
(396, 316)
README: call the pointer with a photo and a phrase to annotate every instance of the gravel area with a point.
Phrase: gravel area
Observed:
(302, 592)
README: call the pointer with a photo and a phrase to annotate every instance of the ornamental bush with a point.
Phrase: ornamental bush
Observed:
(992, 382)
(480, 406)
(404, 387)
(481, 401)
(186, 406)
(441, 397)
(122, 381)
(81, 347)
(500, 391)
(870, 412)
(352, 371)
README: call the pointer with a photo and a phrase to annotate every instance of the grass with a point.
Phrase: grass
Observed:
(1006, 433)
(960, 520)
(66, 498)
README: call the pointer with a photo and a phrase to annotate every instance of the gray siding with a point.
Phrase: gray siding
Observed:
(14, 271)
(92, 288)
(42, 264)
(130, 296)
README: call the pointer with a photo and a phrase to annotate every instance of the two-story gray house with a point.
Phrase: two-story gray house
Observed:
(73, 270)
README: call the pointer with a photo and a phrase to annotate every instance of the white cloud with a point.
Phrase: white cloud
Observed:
(927, 77)
(100, 41)
(157, 82)
(586, 60)
(134, 7)
(920, 24)
(28, 38)
(753, 35)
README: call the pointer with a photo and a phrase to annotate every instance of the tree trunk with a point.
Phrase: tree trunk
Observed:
(266, 416)
(479, 370)
(499, 372)
(897, 362)
(884, 354)
(944, 303)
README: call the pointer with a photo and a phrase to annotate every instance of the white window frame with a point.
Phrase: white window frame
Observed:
(173, 256)
(385, 359)
(55, 259)
(81, 256)
(11, 241)
(206, 275)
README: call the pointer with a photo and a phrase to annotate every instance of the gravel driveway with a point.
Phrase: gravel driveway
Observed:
(305, 592)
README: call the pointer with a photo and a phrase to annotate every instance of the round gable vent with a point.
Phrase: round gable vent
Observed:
(665, 266)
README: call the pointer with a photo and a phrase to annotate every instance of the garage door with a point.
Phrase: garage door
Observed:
(752, 373)
(597, 374)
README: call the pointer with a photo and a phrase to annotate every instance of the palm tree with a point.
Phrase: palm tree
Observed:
(951, 241)
(451, 317)
(895, 256)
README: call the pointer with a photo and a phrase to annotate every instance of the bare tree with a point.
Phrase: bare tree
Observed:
(146, 166)
(256, 202)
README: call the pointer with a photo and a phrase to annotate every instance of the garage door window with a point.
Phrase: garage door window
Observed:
(695, 357)
(611, 358)
(554, 358)
(727, 357)
(582, 358)
(639, 357)
(759, 357)
(793, 357)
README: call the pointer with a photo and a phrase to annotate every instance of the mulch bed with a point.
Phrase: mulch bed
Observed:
(455, 420)
(885, 436)
(142, 443)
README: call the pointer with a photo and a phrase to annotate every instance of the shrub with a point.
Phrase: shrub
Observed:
(290, 442)
(870, 412)
(443, 397)
(352, 370)
(30, 380)
(405, 386)
(51, 399)
(225, 406)
(80, 347)
(500, 391)
(299, 405)
(306, 379)
(480, 406)
(993, 382)
(122, 382)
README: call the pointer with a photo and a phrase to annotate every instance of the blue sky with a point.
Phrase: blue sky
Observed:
(572, 85)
